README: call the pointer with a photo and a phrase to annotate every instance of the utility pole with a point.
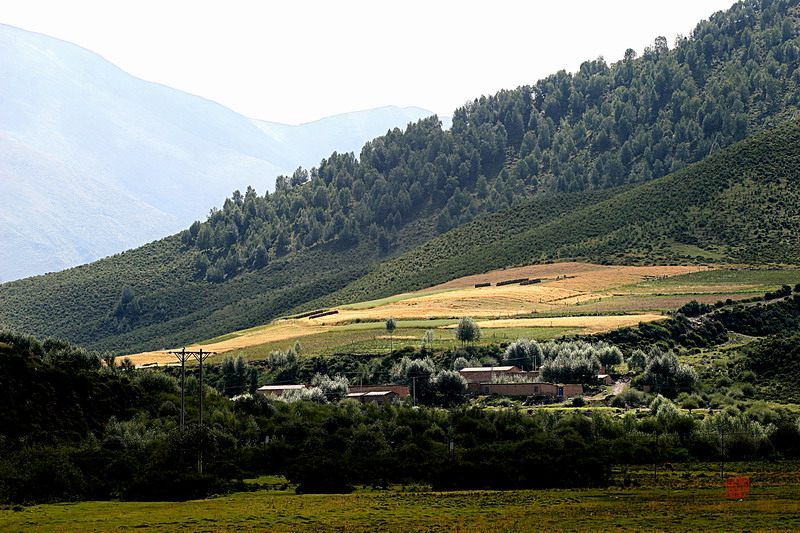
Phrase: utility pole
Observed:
(201, 356)
(414, 391)
(182, 357)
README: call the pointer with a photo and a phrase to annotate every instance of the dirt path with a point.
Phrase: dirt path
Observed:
(618, 387)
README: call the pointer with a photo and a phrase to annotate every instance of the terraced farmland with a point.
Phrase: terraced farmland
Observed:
(567, 298)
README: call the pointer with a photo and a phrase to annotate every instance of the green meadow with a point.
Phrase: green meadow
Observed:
(370, 338)
(768, 508)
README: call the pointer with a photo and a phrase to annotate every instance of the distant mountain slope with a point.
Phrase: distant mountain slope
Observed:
(154, 158)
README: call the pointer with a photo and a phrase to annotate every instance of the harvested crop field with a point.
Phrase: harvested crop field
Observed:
(580, 277)
(486, 302)
(562, 285)
(589, 324)
(649, 302)
(253, 337)
(567, 292)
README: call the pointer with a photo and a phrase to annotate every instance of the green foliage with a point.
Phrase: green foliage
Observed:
(334, 388)
(282, 359)
(236, 374)
(449, 388)
(694, 309)
(609, 357)
(578, 401)
(391, 325)
(666, 375)
(672, 332)
(154, 381)
(48, 397)
(331, 447)
(630, 398)
(717, 204)
(781, 317)
(523, 353)
(467, 331)
(577, 361)
(637, 360)
(775, 359)
(571, 366)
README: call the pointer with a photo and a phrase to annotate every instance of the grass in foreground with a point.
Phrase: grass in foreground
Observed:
(768, 508)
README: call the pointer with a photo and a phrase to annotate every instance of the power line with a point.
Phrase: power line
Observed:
(200, 356)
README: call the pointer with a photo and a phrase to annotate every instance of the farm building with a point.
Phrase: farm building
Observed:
(401, 390)
(565, 390)
(277, 390)
(481, 374)
(379, 396)
(605, 379)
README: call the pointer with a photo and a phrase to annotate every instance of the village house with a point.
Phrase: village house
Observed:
(605, 379)
(378, 396)
(559, 390)
(277, 390)
(482, 374)
(401, 390)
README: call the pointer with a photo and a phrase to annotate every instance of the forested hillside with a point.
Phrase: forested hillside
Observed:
(742, 204)
(603, 127)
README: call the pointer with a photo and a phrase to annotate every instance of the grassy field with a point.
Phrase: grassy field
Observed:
(719, 282)
(572, 298)
(374, 340)
(769, 508)
(392, 299)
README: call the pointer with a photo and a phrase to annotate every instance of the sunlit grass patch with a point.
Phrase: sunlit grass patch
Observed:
(392, 299)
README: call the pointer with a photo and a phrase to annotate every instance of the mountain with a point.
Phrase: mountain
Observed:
(738, 205)
(96, 161)
(596, 164)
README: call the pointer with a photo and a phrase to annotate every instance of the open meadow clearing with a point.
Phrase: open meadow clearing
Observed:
(570, 298)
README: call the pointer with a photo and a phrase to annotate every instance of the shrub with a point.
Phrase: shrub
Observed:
(629, 398)
(155, 381)
(334, 388)
(666, 375)
(695, 308)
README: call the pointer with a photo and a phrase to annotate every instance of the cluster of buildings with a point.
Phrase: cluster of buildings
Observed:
(488, 380)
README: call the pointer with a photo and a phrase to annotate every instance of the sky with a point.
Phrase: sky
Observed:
(295, 61)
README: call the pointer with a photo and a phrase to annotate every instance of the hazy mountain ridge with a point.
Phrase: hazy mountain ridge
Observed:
(162, 158)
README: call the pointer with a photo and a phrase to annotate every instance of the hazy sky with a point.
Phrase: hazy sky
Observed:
(295, 61)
